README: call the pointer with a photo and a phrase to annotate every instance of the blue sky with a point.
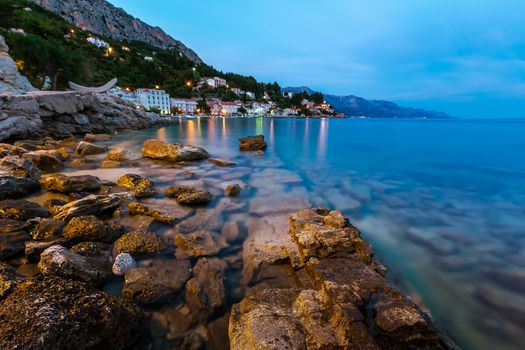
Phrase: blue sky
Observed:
(464, 57)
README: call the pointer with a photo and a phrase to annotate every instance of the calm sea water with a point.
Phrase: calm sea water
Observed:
(442, 202)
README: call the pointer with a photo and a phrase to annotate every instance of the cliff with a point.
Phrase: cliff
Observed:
(102, 18)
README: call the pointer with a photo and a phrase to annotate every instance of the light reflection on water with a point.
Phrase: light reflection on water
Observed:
(442, 206)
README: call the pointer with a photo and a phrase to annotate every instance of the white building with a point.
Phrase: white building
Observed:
(148, 58)
(290, 112)
(250, 95)
(97, 42)
(151, 98)
(259, 109)
(225, 109)
(287, 94)
(185, 105)
(238, 91)
(125, 94)
(215, 82)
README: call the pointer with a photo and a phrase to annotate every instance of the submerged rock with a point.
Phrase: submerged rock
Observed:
(166, 215)
(157, 283)
(96, 137)
(143, 188)
(91, 205)
(55, 313)
(139, 243)
(59, 261)
(21, 210)
(188, 195)
(123, 263)
(221, 162)
(199, 243)
(233, 190)
(205, 292)
(252, 143)
(157, 149)
(85, 148)
(91, 228)
(119, 154)
(71, 184)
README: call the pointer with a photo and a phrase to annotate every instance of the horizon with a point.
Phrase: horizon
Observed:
(467, 63)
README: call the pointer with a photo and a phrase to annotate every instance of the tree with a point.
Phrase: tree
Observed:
(242, 110)
(317, 98)
(203, 106)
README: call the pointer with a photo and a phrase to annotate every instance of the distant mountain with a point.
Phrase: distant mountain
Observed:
(354, 106)
(102, 18)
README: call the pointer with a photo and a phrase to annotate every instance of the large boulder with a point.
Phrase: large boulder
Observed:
(85, 149)
(159, 282)
(48, 161)
(11, 81)
(252, 143)
(56, 313)
(20, 209)
(92, 229)
(71, 184)
(47, 229)
(13, 235)
(19, 167)
(59, 261)
(16, 187)
(97, 205)
(139, 243)
(189, 195)
(157, 149)
(199, 243)
(165, 214)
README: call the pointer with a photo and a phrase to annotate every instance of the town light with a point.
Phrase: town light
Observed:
(157, 87)
(72, 31)
(188, 84)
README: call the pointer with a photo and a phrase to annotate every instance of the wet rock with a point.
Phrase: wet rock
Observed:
(157, 283)
(21, 210)
(124, 262)
(96, 205)
(53, 205)
(252, 143)
(16, 187)
(119, 154)
(142, 187)
(167, 215)
(48, 161)
(231, 231)
(33, 249)
(278, 203)
(233, 190)
(199, 243)
(8, 280)
(188, 195)
(204, 219)
(172, 152)
(221, 162)
(71, 184)
(205, 292)
(59, 261)
(12, 241)
(91, 228)
(85, 148)
(55, 313)
(19, 167)
(92, 249)
(139, 243)
(47, 229)
(11, 150)
(108, 164)
(96, 137)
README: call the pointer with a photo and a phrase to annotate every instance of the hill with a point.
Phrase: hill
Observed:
(355, 106)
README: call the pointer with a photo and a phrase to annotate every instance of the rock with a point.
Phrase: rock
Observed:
(11, 150)
(119, 154)
(8, 280)
(12, 187)
(157, 283)
(47, 229)
(124, 262)
(172, 152)
(188, 195)
(143, 188)
(233, 190)
(98, 137)
(221, 162)
(33, 249)
(19, 167)
(86, 149)
(49, 161)
(71, 184)
(97, 205)
(92, 249)
(204, 219)
(10, 79)
(91, 228)
(205, 292)
(53, 205)
(139, 243)
(12, 243)
(55, 313)
(166, 215)
(59, 261)
(21, 210)
(252, 143)
(199, 243)
(108, 164)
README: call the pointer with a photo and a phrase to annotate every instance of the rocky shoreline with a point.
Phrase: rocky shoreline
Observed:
(307, 281)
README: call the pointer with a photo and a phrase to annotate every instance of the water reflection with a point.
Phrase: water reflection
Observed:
(162, 134)
(323, 139)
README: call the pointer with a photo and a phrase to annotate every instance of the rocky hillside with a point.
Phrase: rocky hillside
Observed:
(102, 18)
(10, 79)
(355, 106)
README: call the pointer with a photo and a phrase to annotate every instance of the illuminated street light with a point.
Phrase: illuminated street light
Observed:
(157, 87)
(188, 84)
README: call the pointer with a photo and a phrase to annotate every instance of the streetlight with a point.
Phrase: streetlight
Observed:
(188, 84)
(157, 87)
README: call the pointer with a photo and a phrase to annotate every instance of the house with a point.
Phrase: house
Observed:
(238, 91)
(148, 58)
(97, 42)
(185, 105)
(259, 109)
(290, 112)
(126, 94)
(214, 82)
(152, 98)
(225, 109)
(250, 95)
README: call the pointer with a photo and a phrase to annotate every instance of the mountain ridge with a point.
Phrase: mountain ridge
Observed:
(355, 106)
(103, 18)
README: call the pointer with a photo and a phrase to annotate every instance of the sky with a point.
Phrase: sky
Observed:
(463, 57)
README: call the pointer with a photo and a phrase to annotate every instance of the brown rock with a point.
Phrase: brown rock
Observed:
(47, 229)
(143, 188)
(188, 195)
(167, 215)
(233, 190)
(252, 143)
(21, 210)
(221, 162)
(92, 229)
(97, 205)
(199, 243)
(139, 243)
(71, 184)
(172, 152)
(86, 149)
